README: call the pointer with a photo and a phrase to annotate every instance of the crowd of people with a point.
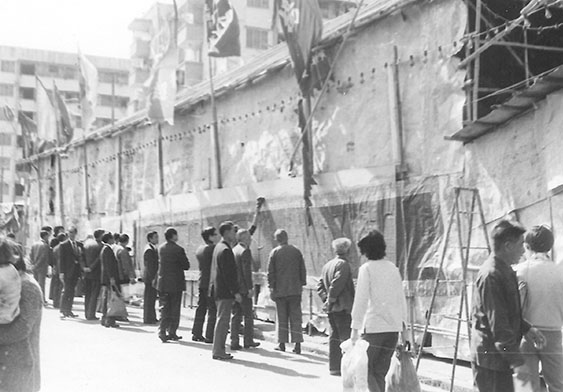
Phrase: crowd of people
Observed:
(517, 312)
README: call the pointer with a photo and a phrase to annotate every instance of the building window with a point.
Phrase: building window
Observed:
(258, 3)
(27, 93)
(6, 90)
(19, 189)
(180, 77)
(256, 38)
(107, 100)
(5, 163)
(121, 78)
(5, 139)
(30, 115)
(8, 66)
(54, 70)
(27, 69)
(19, 141)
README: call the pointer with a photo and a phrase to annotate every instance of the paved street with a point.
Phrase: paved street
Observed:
(79, 355)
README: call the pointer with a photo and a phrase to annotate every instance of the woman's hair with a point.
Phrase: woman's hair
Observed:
(6, 252)
(373, 245)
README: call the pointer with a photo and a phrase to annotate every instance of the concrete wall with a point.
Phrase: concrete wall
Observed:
(353, 143)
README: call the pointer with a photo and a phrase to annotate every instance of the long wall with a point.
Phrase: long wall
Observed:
(353, 148)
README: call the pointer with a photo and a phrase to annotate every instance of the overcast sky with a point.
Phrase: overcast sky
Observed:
(99, 26)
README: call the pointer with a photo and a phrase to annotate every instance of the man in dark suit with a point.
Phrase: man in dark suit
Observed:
(92, 273)
(70, 265)
(41, 257)
(109, 278)
(171, 282)
(150, 258)
(243, 310)
(56, 286)
(223, 287)
(205, 304)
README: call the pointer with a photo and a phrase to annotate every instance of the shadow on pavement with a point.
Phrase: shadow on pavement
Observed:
(271, 368)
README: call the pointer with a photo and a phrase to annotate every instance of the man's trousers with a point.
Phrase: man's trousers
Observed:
(224, 307)
(339, 331)
(91, 293)
(240, 311)
(149, 301)
(205, 305)
(170, 307)
(289, 318)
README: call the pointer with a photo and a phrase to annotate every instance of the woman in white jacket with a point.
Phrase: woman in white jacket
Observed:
(380, 308)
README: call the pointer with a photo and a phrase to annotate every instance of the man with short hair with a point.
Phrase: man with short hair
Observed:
(70, 265)
(541, 291)
(497, 323)
(109, 278)
(124, 261)
(205, 303)
(336, 290)
(92, 273)
(150, 259)
(41, 257)
(244, 263)
(223, 287)
(170, 284)
(286, 277)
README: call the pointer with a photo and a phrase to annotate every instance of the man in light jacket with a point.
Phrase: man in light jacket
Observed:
(336, 290)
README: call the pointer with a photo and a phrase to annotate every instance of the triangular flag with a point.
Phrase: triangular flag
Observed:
(223, 29)
(46, 115)
(302, 26)
(66, 131)
(88, 82)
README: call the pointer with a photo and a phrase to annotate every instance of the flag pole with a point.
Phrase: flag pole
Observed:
(59, 160)
(215, 133)
(160, 162)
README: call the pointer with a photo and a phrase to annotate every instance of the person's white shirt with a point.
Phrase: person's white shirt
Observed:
(379, 304)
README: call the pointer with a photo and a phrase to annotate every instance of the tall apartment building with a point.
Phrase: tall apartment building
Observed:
(18, 70)
(152, 31)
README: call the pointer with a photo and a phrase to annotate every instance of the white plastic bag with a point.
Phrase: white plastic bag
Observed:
(401, 376)
(354, 366)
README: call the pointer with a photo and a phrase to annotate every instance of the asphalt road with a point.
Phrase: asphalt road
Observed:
(82, 356)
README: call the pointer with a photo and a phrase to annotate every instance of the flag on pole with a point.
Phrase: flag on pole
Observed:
(29, 135)
(223, 29)
(162, 88)
(46, 117)
(66, 130)
(302, 26)
(88, 82)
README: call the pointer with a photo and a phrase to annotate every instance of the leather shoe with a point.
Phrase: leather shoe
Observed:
(297, 348)
(280, 347)
(174, 337)
(163, 339)
(335, 373)
(70, 314)
(198, 338)
(236, 347)
(252, 345)
(223, 357)
(92, 318)
(209, 341)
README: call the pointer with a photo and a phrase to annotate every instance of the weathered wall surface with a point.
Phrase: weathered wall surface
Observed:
(353, 143)
(518, 166)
